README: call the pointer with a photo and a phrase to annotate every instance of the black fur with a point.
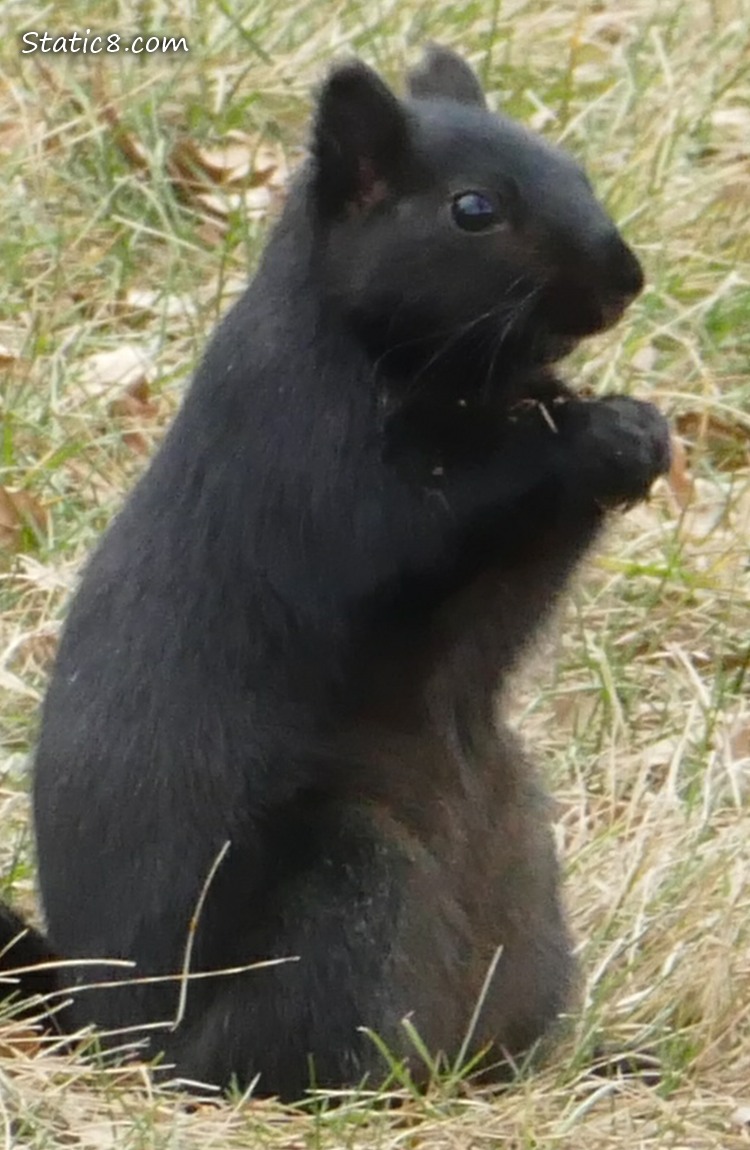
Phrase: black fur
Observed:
(21, 946)
(292, 637)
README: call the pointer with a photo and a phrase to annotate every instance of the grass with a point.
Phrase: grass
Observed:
(114, 271)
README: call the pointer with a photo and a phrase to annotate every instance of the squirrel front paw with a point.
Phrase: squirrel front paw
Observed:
(622, 446)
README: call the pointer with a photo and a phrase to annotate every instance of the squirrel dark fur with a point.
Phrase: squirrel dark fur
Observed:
(293, 637)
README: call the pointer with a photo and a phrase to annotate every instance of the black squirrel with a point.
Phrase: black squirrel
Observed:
(292, 637)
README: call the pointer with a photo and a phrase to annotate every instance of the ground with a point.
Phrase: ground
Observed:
(136, 192)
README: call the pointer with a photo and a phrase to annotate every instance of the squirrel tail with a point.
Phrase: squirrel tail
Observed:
(27, 970)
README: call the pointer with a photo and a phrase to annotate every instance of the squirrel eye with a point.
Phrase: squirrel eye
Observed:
(473, 212)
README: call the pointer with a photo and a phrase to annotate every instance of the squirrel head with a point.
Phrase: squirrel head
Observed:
(438, 220)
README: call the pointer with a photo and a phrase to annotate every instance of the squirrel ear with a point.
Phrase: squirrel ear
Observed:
(360, 140)
(444, 75)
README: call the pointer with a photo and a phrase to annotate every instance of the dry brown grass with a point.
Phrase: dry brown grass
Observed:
(645, 722)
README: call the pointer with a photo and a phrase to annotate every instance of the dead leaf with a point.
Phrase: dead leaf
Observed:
(128, 143)
(739, 738)
(706, 515)
(30, 510)
(574, 711)
(7, 356)
(12, 136)
(725, 440)
(131, 407)
(230, 162)
(644, 359)
(13, 339)
(18, 509)
(120, 369)
(10, 526)
(215, 205)
(254, 203)
(157, 303)
(735, 193)
(542, 116)
(20, 134)
(136, 408)
(36, 649)
(735, 119)
(237, 160)
(610, 29)
(17, 1040)
(679, 479)
(741, 1116)
(269, 164)
(211, 232)
(252, 175)
(257, 201)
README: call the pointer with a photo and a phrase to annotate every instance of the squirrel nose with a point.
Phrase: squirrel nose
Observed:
(623, 274)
